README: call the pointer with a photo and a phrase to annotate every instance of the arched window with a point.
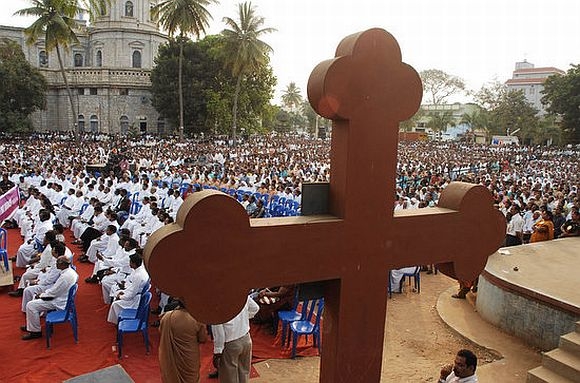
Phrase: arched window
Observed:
(81, 123)
(129, 9)
(94, 124)
(124, 124)
(78, 59)
(43, 59)
(161, 126)
(99, 58)
(136, 59)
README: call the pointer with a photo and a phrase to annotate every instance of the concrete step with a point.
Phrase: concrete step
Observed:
(578, 326)
(571, 343)
(544, 375)
(565, 363)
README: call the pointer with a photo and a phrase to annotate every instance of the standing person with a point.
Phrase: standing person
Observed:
(571, 228)
(179, 354)
(233, 346)
(543, 230)
(463, 369)
(515, 227)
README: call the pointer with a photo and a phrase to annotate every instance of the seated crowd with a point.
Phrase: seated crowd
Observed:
(112, 212)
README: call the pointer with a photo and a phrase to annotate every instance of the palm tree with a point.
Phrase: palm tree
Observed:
(187, 17)
(244, 50)
(56, 23)
(476, 120)
(291, 97)
(440, 121)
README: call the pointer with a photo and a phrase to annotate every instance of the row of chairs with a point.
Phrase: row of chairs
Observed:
(135, 320)
(303, 319)
(130, 320)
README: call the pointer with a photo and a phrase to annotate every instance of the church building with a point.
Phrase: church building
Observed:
(109, 73)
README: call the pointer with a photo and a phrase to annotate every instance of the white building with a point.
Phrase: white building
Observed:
(531, 81)
(108, 71)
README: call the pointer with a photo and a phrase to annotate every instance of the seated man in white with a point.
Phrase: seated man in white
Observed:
(71, 207)
(121, 268)
(43, 262)
(152, 223)
(80, 223)
(47, 277)
(28, 249)
(105, 260)
(54, 298)
(137, 219)
(397, 276)
(100, 244)
(129, 293)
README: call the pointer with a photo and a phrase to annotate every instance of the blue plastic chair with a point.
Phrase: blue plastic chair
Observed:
(38, 245)
(306, 327)
(289, 316)
(69, 314)
(132, 313)
(135, 207)
(416, 276)
(83, 208)
(279, 211)
(3, 251)
(139, 324)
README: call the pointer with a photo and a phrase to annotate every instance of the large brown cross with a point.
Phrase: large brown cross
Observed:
(214, 253)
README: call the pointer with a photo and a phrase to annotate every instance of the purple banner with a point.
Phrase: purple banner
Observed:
(9, 202)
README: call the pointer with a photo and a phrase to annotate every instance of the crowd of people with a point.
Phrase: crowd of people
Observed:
(92, 189)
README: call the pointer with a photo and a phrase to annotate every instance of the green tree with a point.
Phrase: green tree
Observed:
(291, 97)
(410, 123)
(56, 24)
(23, 88)
(209, 88)
(440, 121)
(438, 86)
(562, 95)
(490, 95)
(245, 53)
(514, 113)
(201, 71)
(186, 17)
(548, 132)
(477, 120)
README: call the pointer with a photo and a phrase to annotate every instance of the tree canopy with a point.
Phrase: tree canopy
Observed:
(244, 52)
(208, 89)
(23, 89)
(438, 86)
(562, 95)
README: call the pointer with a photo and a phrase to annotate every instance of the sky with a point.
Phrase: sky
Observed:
(477, 40)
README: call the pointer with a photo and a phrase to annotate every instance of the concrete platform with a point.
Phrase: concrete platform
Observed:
(533, 291)
(114, 373)
(516, 357)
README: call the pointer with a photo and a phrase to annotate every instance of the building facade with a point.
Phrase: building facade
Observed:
(531, 80)
(109, 73)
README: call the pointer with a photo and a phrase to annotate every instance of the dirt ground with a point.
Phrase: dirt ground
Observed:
(417, 341)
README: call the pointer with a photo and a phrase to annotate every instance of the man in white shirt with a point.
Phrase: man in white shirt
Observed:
(463, 369)
(233, 346)
(28, 249)
(129, 295)
(54, 298)
(515, 227)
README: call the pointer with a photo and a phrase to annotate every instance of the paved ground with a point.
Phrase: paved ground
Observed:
(418, 341)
